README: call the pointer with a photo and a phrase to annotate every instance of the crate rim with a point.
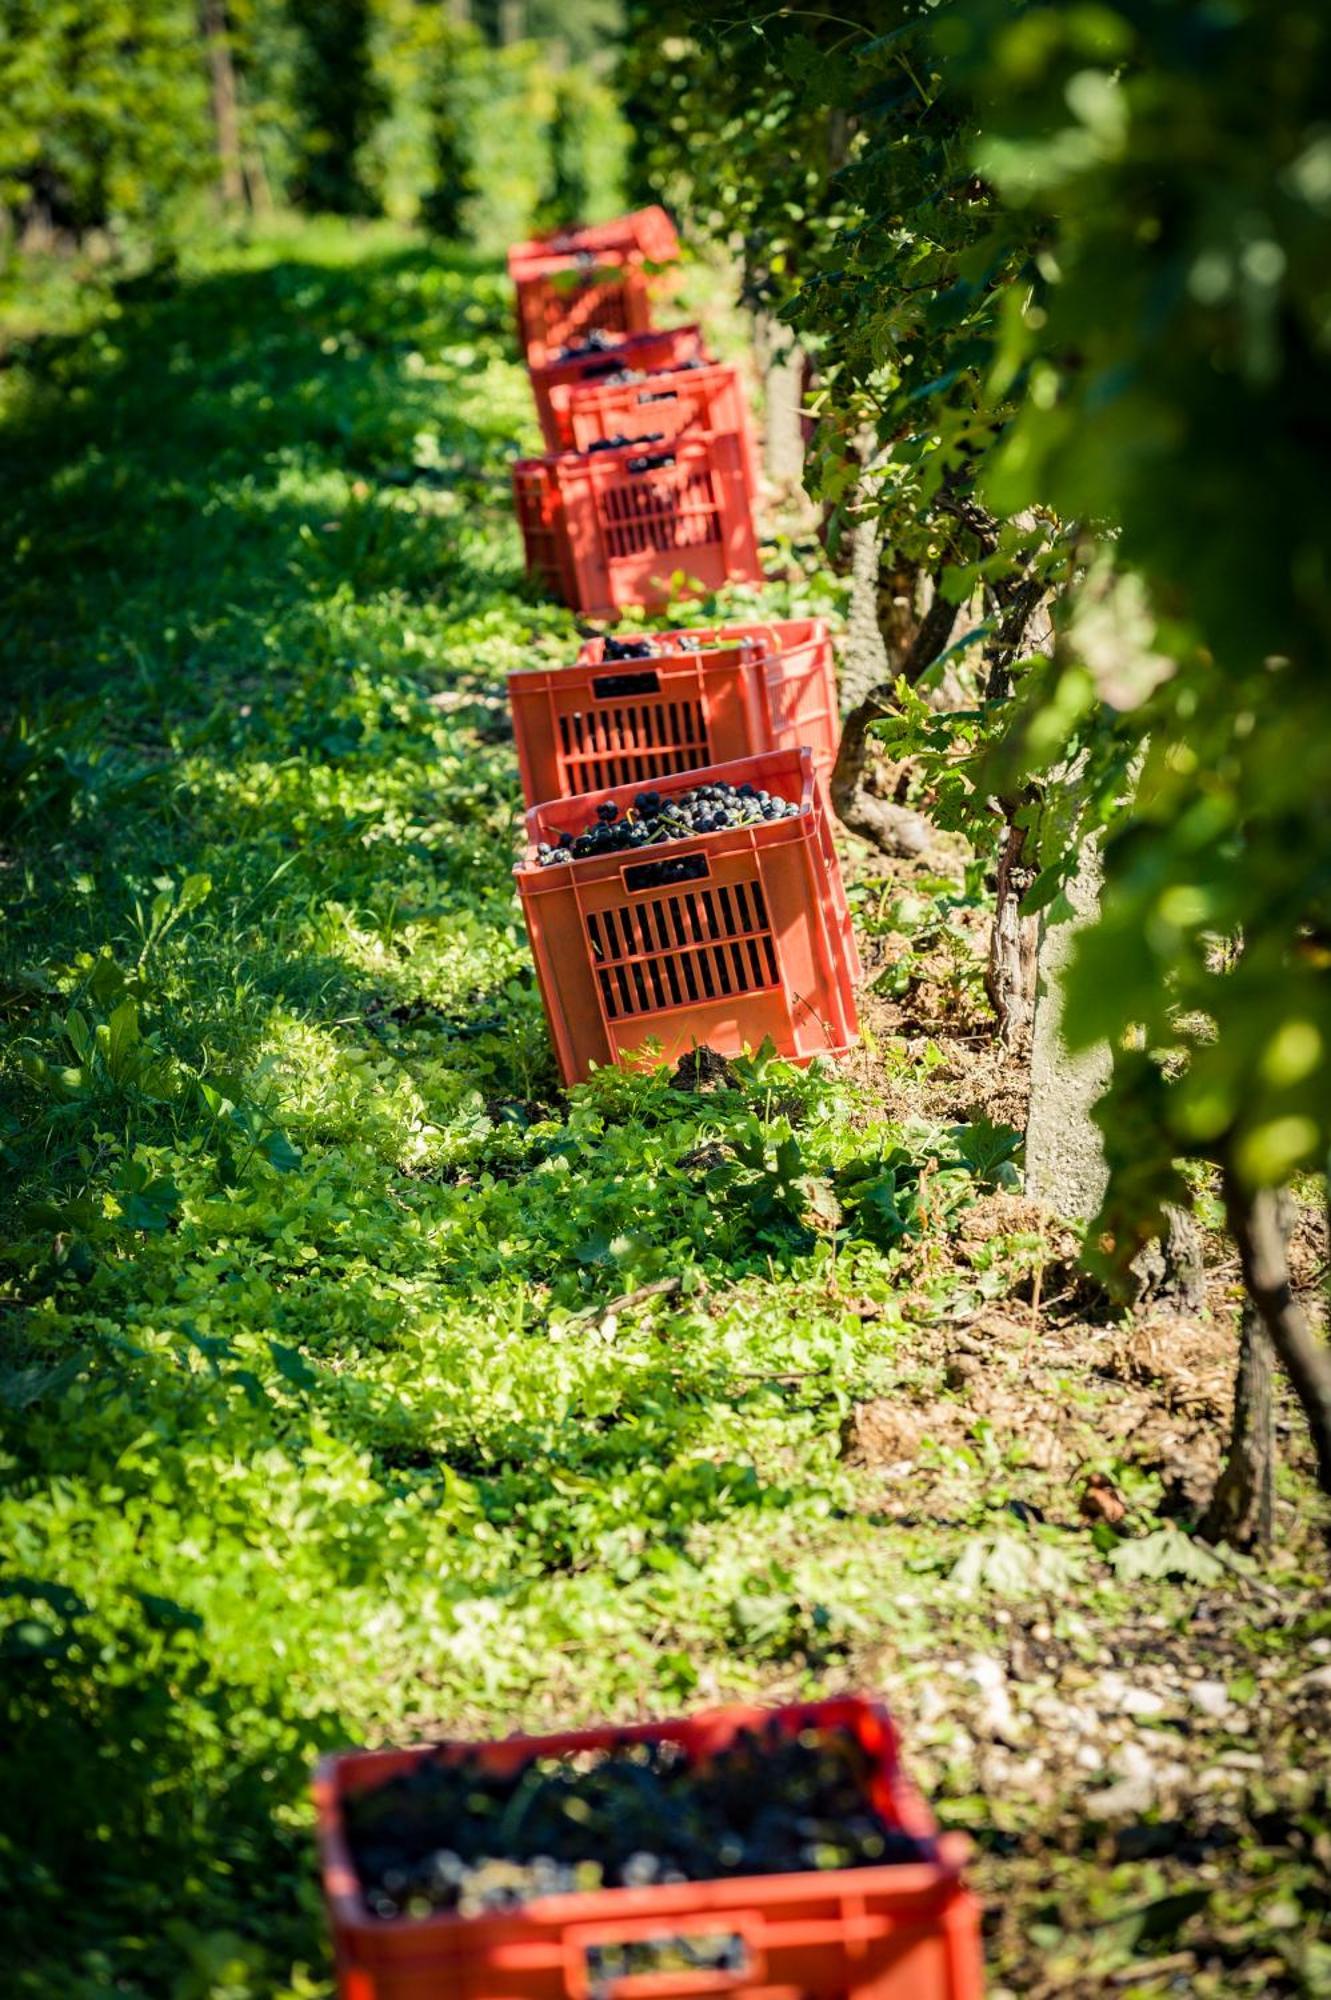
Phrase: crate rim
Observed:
(545, 679)
(691, 441)
(599, 867)
(813, 628)
(631, 220)
(583, 264)
(903, 1882)
(617, 341)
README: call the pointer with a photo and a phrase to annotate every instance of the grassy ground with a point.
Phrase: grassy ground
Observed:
(321, 1420)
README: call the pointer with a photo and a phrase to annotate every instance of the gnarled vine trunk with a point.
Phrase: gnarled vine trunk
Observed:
(1022, 623)
(865, 664)
(1010, 973)
(1242, 1508)
(893, 828)
(1255, 1223)
(886, 637)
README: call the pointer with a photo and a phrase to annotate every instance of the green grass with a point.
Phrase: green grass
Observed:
(316, 1424)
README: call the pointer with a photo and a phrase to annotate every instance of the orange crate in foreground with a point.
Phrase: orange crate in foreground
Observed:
(694, 699)
(610, 530)
(607, 355)
(727, 938)
(907, 1932)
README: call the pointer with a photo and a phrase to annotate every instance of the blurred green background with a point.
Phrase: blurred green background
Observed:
(130, 127)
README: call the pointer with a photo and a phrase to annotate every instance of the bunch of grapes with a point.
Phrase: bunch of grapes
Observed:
(652, 820)
(644, 648)
(597, 342)
(594, 342)
(619, 376)
(618, 442)
(453, 1835)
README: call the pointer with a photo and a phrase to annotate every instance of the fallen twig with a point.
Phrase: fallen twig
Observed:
(660, 1288)
(1152, 1968)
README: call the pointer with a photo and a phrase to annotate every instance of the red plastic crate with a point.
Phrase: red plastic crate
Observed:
(553, 382)
(754, 942)
(610, 529)
(649, 231)
(669, 403)
(798, 704)
(799, 681)
(560, 300)
(738, 691)
(905, 1932)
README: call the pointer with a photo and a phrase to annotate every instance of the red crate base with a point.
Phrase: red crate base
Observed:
(893, 1933)
(755, 944)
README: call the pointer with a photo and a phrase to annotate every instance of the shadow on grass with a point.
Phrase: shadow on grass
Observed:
(151, 1811)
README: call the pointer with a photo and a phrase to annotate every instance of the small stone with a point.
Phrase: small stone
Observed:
(1211, 1697)
(1142, 1702)
(1135, 1791)
(930, 1703)
(1125, 1800)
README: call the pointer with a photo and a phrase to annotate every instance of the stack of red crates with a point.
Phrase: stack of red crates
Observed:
(729, 938)
(650, 476)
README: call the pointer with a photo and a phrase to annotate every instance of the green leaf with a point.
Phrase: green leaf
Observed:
(988, 1150)
(195, 889)
(279, 1152)
(292, 1366)
(80, 1035)
(1166, 1552)
(122, 1039)
(152, 1207)
(107, 981)
(1009, 1565)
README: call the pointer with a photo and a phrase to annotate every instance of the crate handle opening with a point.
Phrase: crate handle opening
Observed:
(606, 686)
(658, 395)
(659, 1962)
(651, 460)
(664, 874)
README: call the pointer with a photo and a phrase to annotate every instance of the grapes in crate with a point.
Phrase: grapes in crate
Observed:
(653, 820)
(455, 1834)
